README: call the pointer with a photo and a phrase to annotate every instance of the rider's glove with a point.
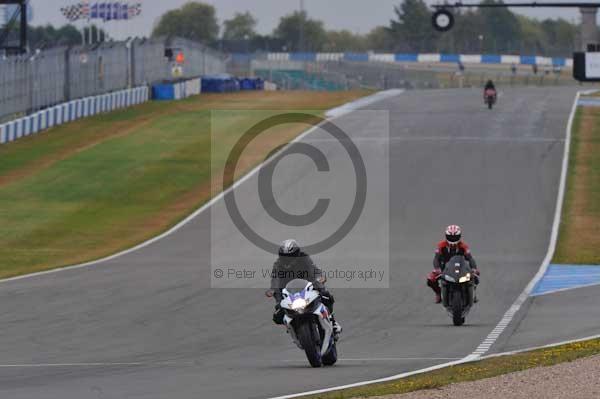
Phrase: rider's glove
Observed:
(269, 293)
(434, 275)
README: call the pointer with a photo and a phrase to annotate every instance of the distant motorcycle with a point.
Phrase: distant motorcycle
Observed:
(489, 97)
(309, 323)
(457, 284)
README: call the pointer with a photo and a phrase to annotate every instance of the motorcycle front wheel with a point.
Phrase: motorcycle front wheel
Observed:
(457, 309)
(330, 357)
(306, 335)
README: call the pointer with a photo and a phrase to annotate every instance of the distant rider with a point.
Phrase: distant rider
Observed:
(293, 263)
(489, 86)
(446, 249)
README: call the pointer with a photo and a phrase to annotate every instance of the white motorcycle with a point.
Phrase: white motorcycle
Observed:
(308, 322)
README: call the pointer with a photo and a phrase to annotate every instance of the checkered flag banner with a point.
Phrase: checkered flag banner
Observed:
(75, 12)
(114, 10)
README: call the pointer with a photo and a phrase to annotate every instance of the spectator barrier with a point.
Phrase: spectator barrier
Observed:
(424, 58)
(176, 90)
(71, 111)
(89, 106)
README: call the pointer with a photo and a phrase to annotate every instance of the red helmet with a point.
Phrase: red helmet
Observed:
(453, 234)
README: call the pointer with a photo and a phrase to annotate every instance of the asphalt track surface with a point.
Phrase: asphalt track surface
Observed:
(557, 317)
(147, 324)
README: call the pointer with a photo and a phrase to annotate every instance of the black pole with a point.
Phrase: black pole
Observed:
(23, 26)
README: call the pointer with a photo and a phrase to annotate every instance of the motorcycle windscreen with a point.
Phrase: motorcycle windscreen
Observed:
(457, 267)
(295, 286)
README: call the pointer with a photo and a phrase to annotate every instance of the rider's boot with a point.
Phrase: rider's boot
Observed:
(337, 328)
(278, 315)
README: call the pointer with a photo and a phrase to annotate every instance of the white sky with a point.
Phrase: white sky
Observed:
(355, 15)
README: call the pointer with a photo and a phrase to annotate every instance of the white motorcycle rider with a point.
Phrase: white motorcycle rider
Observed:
(309, 322)
(304, 307)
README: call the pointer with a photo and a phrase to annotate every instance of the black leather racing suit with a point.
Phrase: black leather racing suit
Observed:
(288, 268)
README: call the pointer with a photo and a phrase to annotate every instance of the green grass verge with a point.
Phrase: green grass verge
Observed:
(579, 235)
(486, 368)
(89, 188)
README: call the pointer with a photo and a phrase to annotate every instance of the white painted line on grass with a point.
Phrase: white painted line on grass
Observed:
(533, 348)
(362, 383)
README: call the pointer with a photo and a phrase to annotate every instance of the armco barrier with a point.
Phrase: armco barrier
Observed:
(424, 58)
(73, 110)
(219, 83)
(177, 90)
(455, 58)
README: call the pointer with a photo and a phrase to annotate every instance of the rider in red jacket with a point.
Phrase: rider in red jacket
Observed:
(446, 249)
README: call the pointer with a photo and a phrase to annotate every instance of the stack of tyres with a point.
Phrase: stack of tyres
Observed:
(251, 84)
(220, 83)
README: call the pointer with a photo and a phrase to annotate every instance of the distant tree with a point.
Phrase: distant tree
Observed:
(411, 30)
(289, 31)
(501, 27)
(194, 21)
(465, 36)
(240, 27)
(561, 36)
(531, 38)
(344, 40)
(487, 30)
(68, 35)
(48, 36)
(379, 39)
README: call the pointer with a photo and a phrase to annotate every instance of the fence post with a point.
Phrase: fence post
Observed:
(67, 87)
(131, 63)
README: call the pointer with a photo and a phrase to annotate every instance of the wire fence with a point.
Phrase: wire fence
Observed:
(345, 75)
(36, 81)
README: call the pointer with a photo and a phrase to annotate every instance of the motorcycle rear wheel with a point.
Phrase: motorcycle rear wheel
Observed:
(312, 349)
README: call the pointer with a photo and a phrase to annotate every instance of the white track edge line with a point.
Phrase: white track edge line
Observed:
(468, 359)
(476, 355)
(564, 289)
(533, 348)
(168, 363)
(516, 306)
(331, 114)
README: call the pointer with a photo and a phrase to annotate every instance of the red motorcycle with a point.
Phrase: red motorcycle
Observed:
(489, 97)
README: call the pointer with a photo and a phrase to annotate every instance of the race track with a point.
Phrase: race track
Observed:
(147, 324)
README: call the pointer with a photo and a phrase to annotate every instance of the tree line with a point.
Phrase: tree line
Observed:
(481, 30)
(484, 30)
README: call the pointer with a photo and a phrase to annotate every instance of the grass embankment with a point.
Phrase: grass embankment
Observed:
(579, 237)
(96, 186)
(486, 368)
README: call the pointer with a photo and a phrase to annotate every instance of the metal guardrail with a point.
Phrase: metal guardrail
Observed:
(32, 82)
